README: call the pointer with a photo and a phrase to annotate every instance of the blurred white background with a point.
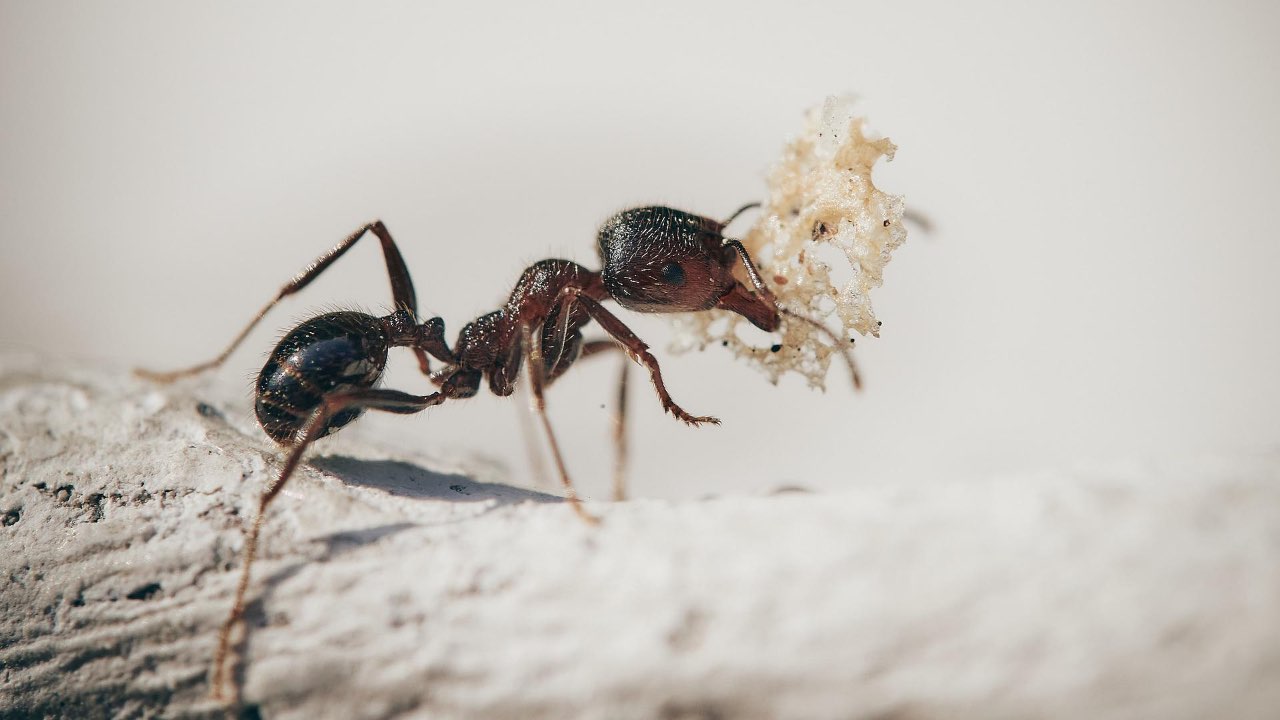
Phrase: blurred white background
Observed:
(1100, 283)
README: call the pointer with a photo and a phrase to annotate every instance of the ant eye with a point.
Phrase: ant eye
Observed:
(673, 274)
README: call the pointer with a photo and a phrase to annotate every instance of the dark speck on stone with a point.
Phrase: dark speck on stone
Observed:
(145, 592)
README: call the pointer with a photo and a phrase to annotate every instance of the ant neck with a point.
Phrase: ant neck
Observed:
(401, 327)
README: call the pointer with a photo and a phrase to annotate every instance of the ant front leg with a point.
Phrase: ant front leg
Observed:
(636, 348)
(401, 292)
(392, 401)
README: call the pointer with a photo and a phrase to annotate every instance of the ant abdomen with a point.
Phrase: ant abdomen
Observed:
(326, 354)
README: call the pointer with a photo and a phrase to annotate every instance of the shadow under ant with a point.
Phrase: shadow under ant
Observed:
(255, 616)
(396, 477)
(405, 479)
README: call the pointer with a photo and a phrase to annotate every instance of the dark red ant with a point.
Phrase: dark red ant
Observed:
(324, 373)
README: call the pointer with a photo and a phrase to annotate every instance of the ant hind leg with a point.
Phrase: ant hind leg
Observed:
(401, 292)
(386, 400)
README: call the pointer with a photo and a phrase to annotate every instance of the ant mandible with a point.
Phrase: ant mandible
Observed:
(324, 373)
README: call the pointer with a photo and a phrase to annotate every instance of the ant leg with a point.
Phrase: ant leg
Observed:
(386, 400)
(919, 219)
(619, 417)
(401, 292)
(636, 348)
(590, 348)
(532, 449)
(533, 363)
(620, 436)
(840, 347)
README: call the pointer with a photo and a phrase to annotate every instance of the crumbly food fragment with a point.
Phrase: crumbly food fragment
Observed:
(820, 197)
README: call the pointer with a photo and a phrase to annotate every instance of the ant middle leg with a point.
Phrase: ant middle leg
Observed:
(536, 369)
(619, 415)
(392, 401)
(401, 292)
(566, 346)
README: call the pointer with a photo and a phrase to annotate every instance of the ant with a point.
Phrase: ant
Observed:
(325, 372)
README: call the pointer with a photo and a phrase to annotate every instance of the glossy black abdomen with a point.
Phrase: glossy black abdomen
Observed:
(330, 353)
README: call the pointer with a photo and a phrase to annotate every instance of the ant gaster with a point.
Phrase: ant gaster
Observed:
(325, 373)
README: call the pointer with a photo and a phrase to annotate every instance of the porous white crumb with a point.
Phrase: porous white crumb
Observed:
(822, 203)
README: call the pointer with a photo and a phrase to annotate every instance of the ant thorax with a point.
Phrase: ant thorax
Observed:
(822, 207)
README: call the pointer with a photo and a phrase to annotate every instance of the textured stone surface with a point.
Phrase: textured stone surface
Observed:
(394, 586)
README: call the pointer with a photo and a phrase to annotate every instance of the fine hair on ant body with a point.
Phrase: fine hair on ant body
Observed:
(325, 372)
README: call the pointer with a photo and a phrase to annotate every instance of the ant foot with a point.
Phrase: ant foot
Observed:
(581, 512)
(164, 378)
(694, 420)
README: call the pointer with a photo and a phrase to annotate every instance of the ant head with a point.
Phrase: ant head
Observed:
(657, 259)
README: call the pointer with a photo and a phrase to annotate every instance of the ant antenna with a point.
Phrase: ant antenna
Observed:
(739, 211)
(768, 294)
(835, 342)
(751, 269)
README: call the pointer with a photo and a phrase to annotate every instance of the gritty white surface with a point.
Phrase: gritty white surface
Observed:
(396, 586)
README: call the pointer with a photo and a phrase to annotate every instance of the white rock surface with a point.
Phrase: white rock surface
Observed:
(390, 588)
